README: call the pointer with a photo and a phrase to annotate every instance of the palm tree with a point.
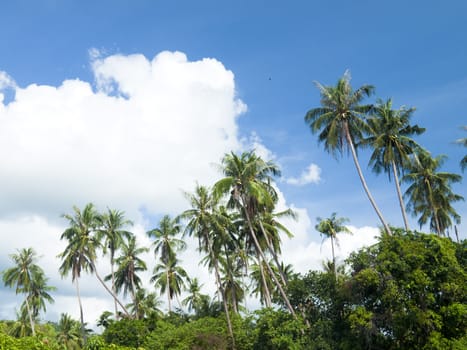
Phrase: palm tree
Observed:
(248, 180)
(39, 293)
(170, 278)
(22, 275)
(129, 264)
(204, 222)
(329, 228)
(429, 193)
(194, 299)
(392, 143)
(112, 224)
(463, 142)
(145, 305)
(340, 122)
(80, 253)
(68, 331)
(165, 242)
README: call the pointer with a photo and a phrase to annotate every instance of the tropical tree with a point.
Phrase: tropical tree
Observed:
(463, 142)
(112, 231)
(430, 194)
(129, 264)
(169, 277)
(194, 300)
(340, 122)
(80, 252)
(145, 304)
(329, 228)
(205, 221)
(248, 181)
(391, 140)
(39, 293)
(68, 331)
(22, 275)
(166, 243)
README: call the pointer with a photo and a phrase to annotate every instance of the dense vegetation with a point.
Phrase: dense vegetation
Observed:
(408, 291)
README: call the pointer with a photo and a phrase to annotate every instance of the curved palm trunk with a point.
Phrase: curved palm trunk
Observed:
(31, 321)
(261, 253)
(133, 296)
(399, 195)
(231, 277)
(363, 181)
(222, 291)
(83, 331)
(267, 293)
(109, 290)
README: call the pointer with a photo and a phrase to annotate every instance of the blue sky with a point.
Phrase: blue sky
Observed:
(413, 51)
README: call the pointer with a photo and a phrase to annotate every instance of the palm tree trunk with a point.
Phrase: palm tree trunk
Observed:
(108, 289)
(169, 300)
(267, 293)
(399, 195)
(113, 283)
(133, 295)
(231, 277)
(260, 251)
(333, 257)
(274, 255)
(83, 331)
(362, 179)
(31, 321)
(222, 292)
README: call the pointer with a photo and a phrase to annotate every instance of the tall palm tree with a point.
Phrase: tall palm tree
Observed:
(204, 222)
(430, 194)
(329, 228)
(129, 264)
(391, 140)
(170, 278)
(22, 275)
(166, 243)
(112, 231)
(80, 252)
(68, 331)
(39, 293)
(248, 180)
(340, 122)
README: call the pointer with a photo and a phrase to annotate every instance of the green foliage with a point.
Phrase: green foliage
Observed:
(126, 332)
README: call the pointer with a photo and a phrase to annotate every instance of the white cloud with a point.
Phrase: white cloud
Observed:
(312, 174)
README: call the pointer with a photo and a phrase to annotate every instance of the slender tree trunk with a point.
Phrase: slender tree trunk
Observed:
(399, 195)
(363, 181)
(231, 277)
(334, 269)
(31, 321)
(83, 331)
(274, 256)
(260, 251)
(267, 293)
(133, 296)
(222, 291)
(108, 289)
(169, 300)
(113, 282)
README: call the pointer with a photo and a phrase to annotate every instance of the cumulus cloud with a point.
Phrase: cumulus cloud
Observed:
(312, 174)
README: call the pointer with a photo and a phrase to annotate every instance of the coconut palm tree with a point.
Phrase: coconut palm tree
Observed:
(248, 181)
(22, 275)
(39, 293)
(391, 140)
(68, 331)
(340, 122)
(170, 278)
(112, 224)
(129, 264)
(205, 221)
(194, 300)
(329, 228)
(145, 305)
(430, 194)
(80, 252)
(166, 243)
